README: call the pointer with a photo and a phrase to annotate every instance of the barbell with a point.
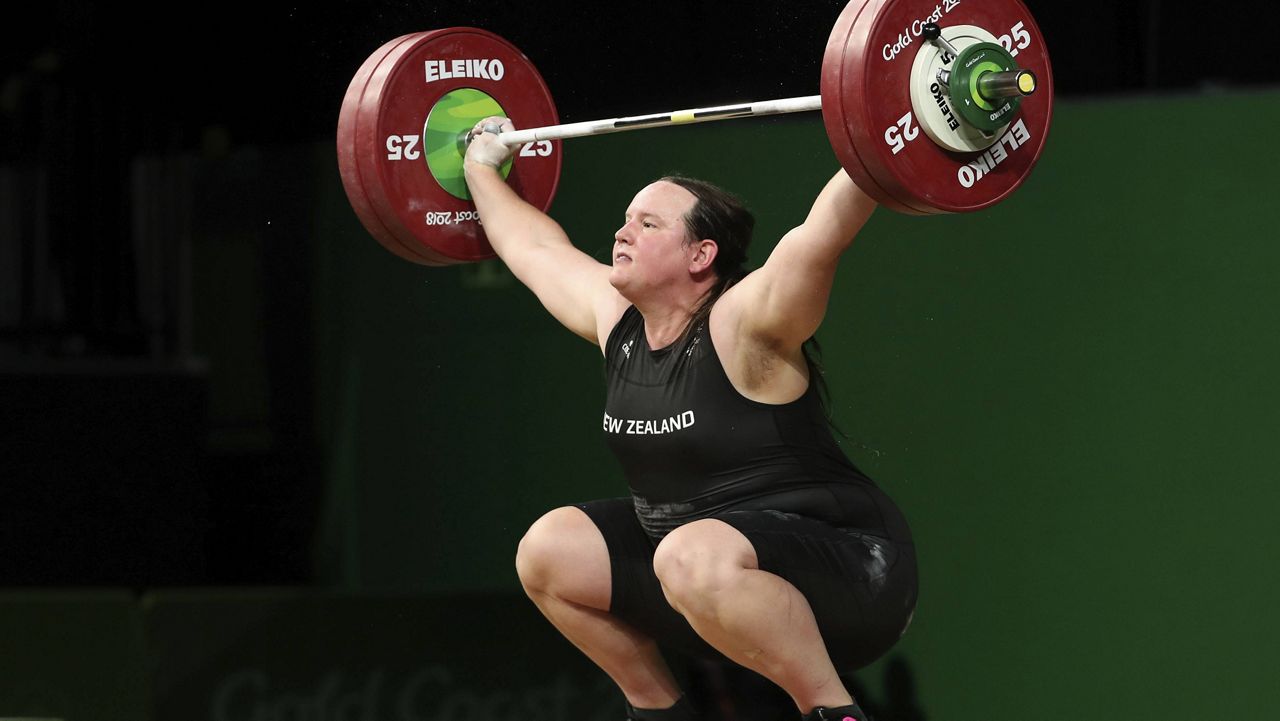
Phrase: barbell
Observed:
(931, 107)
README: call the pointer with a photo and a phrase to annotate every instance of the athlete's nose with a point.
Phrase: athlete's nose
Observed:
(620, 235)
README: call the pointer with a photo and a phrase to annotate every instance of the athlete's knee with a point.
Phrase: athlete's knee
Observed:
(546, 552)
(698, 561)
(538, 555)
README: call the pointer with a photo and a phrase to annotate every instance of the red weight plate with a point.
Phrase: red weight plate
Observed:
(835, 116)
(853, 76)
(350, 173)
(876, 93)
(399, 96)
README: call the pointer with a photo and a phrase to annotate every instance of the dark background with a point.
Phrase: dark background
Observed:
(90, 88)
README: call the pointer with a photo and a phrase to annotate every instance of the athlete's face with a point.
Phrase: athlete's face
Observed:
(650, 250)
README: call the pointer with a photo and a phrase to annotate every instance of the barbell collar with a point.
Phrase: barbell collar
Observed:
(933, 33)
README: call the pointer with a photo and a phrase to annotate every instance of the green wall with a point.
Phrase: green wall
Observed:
(1072, 395)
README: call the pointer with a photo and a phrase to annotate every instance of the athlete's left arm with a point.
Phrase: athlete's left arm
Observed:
(783, 302)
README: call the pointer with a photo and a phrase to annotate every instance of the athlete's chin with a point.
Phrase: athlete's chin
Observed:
(618, 278)
(624, 284)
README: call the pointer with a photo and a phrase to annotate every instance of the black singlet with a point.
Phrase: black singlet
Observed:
(691, 445)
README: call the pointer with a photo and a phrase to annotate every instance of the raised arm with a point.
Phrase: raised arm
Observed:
(783, 303)
(570, 284)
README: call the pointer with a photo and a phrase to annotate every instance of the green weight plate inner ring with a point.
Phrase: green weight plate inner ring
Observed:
(456, 112)
(978, 71)
(973, 108)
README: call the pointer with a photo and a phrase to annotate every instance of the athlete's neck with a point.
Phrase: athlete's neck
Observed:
(667, 311)
(663, 326)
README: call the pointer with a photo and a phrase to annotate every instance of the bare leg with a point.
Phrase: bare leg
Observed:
(710, 574)
(563, 563)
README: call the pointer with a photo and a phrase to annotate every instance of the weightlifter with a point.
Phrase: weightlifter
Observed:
(748, 534)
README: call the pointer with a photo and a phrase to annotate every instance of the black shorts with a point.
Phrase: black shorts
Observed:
(862, 589)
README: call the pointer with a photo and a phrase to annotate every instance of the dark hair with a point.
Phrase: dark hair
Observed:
(721, 216)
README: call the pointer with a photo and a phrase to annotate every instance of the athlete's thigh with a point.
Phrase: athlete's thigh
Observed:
(862, 588)
(637, 597)
(565, 554)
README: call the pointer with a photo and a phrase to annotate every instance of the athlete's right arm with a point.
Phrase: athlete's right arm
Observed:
(570, 284)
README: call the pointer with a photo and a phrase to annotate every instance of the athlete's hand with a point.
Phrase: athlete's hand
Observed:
(484, 147)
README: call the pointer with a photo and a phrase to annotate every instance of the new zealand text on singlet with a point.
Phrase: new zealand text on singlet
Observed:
(633, 427)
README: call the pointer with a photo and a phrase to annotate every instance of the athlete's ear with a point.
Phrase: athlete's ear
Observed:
(703, 256)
